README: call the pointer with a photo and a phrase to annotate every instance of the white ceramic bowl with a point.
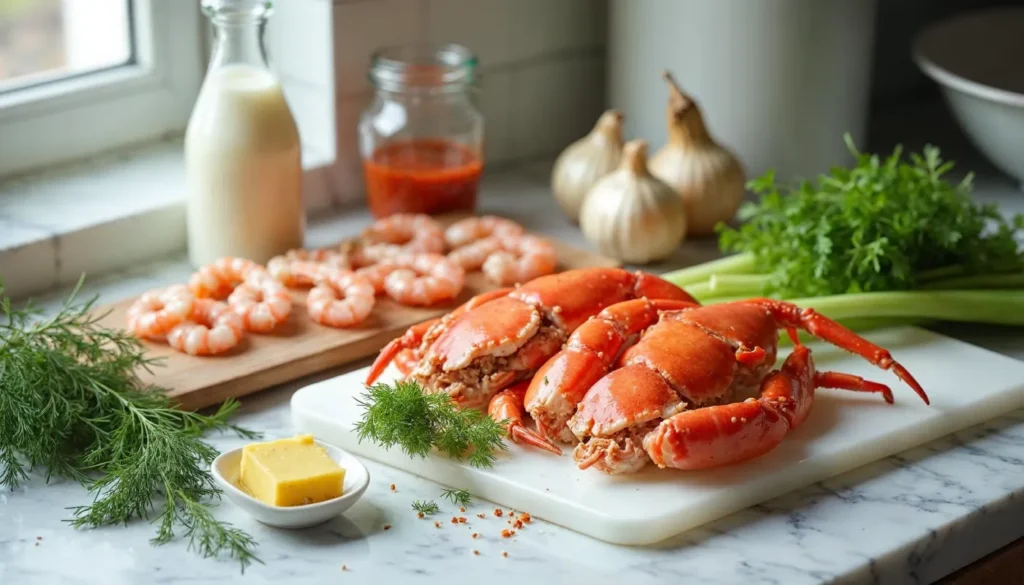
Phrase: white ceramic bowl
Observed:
(225, 470)
(976, 59)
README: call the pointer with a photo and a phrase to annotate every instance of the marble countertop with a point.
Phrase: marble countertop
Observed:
(911, 518)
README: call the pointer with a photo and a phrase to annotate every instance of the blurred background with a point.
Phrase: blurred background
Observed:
(778, 81)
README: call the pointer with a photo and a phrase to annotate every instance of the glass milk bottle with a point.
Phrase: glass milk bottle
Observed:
(242, 155)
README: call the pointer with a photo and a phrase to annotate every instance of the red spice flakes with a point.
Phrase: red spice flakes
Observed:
(39, 538)
(387, 527)
(393, 487)
(517, 525)
(437, 524)
(463, 510)
(455, 520)
(505, 533)
(475, 535)
(525, 517)
(476, 552)
(498, 512)
(462, 519)
(504, 554)
(481, 515)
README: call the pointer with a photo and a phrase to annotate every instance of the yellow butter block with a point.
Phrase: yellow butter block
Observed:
(290, 472)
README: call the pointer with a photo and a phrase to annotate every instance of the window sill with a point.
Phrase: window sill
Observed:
(107, 214)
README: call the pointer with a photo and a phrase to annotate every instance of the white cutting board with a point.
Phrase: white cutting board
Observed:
(967, 385)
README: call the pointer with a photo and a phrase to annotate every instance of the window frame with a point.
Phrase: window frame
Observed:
(97, 112)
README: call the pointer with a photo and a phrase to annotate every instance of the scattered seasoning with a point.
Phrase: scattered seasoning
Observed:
(525, 517)
(517, 524)
(462, 519)
(393, 487)
(481, 515)
(437, 524)
(344, 567)
(476, 552)
(475, 535)
(463, 510)
(505, 533)
(39, 538)
(37, 543)
(419, 514)
(455, 520)
(504, 554)
(498, 512)
(387, 527)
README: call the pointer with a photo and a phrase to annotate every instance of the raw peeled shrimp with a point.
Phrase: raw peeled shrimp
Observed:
(262, 302)
(341, 298)
(521, 259)
(218, 279)
(472, 229)
(421, 280)
(403, 232)
(212, 328)
(158, 311)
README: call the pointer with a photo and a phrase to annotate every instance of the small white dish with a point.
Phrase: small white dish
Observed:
(226, 469)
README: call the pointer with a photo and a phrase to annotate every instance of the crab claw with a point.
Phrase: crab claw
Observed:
(507, 405)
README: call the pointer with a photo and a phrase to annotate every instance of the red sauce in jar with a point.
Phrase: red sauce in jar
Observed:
(421, 176)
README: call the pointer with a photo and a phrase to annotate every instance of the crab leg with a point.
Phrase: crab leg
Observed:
(507, 405)
(790, 315)
(731, 433)
(592, 350)
(414, 335)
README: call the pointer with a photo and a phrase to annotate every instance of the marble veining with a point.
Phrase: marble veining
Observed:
(910, 518)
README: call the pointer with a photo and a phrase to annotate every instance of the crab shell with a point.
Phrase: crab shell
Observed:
(476, 353)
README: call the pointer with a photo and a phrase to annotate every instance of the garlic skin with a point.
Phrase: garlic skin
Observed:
(631, 215)
(585, 161)
(708, 177)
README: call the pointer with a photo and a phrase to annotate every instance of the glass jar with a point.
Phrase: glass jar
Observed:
(243, 161)
(421, 139)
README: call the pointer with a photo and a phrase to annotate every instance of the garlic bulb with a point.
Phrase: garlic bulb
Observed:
(707, 176)
(585, 161)
(630, 214)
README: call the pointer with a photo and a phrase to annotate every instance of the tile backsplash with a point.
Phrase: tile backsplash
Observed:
(541, 64)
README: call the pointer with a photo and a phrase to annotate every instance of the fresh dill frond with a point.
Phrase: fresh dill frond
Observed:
(402, 414)
(72, 405)
(427, 508)
(460, 497)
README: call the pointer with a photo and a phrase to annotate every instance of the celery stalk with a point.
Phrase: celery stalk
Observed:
(736, 264)
(977, 281)
(1003, 307)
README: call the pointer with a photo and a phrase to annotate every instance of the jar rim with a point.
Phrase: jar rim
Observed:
(237, 10)
(423, 65)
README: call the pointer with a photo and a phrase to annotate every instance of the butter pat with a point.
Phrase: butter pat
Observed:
(290, 472)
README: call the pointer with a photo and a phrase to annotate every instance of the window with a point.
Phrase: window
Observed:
(79, 77)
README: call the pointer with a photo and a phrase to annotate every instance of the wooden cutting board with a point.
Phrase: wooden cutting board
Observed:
(301, 347)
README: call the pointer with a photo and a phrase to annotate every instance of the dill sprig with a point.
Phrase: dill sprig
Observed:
(73, 406)
(427, 508)
(459, 497)
(402, 414)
